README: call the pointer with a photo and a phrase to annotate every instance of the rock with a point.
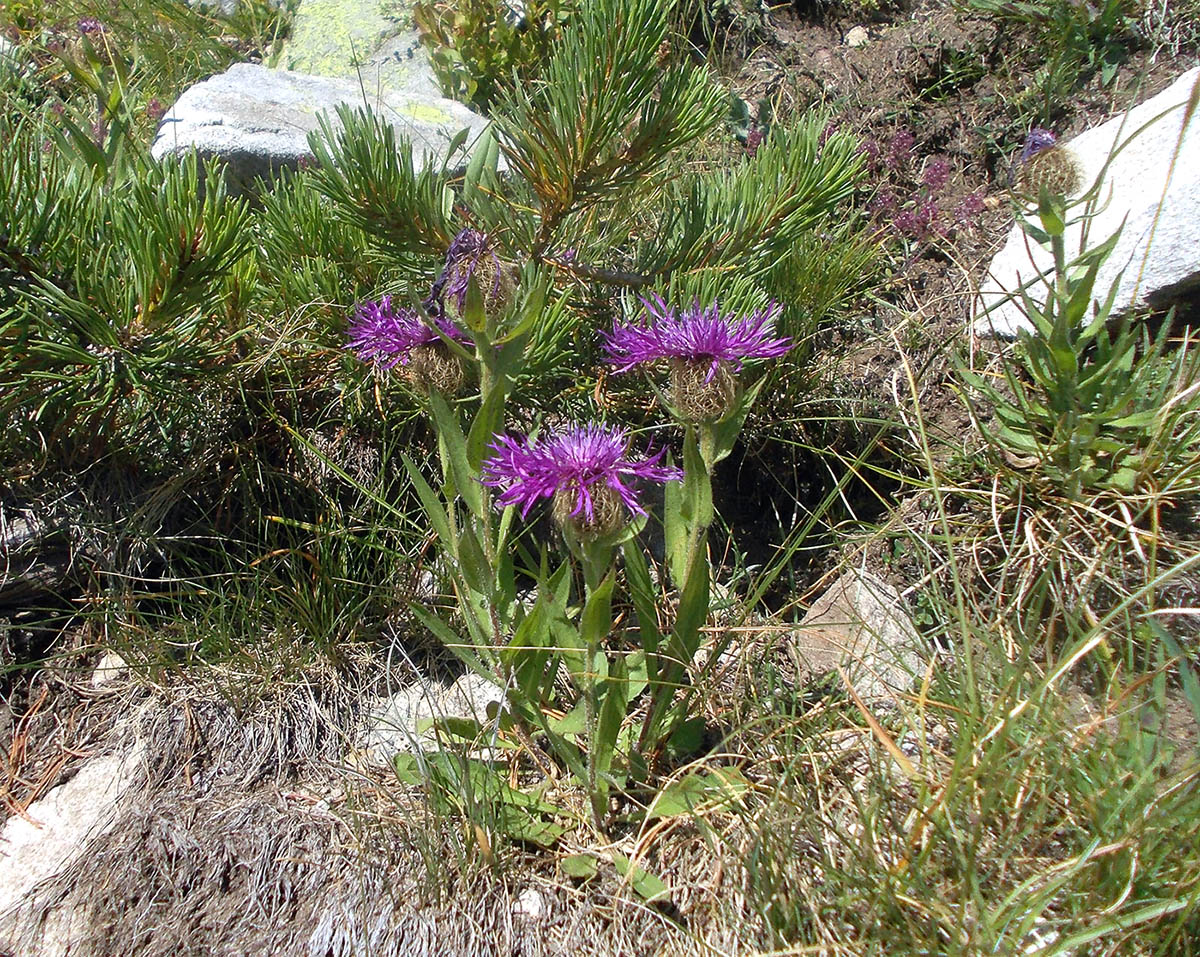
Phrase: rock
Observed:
(857, 37)
(859, 625)
(110, 667)
(530, 904)
(229, 7)
(258, 119)
(9, 54)
(368, 40)
(1157, 258)
(34, 559)
(395, 724)
(51, 835)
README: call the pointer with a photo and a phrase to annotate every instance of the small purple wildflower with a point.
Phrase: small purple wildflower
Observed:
(918, 222)
(470, 255)
(697, 334)
(883, 201)
(753, 141)
(936, 175)
(900, 149)
(969, 208)
(584, 463)
(869, 148)
(155, 110)
(88, 25)
(387, 336)
(1038, 139)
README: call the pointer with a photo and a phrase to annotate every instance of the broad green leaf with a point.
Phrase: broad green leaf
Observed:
(613, 705)
(580, 866)
(698, 792)
(647, 885)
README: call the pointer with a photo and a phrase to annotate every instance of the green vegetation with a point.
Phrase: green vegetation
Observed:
(184, 394)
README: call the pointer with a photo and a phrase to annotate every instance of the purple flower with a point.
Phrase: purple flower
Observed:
(936, 175)
(969, 208)
(155, 110)
(1037, 140)
(90, 25)
(899, 149)
(386, 336)
(470, 255)
(869, 148)
(586, 468)
(695, 335)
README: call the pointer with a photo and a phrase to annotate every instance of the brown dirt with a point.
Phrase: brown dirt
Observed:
(957, 83)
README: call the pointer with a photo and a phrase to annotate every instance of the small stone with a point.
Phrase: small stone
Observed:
(54, 831)
(530, 904)
(110, 667)
(400, 723)
(859, 625)
(857, 37)
(1147, 187)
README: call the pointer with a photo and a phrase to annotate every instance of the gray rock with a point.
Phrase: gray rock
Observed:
(859, 625)
(258, 119)
(52, 834)
(400, 723)
(229, 7)
(368, 41)
(1155, 193)
(34, 559)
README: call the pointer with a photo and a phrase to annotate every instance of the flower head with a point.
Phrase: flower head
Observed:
(1037, 140)
(470, 256)
(697, 334)
(705, 350)
(391, 337)
(586, 469)
(387, 336)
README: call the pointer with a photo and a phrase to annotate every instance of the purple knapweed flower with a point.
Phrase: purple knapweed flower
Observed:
(586, 469)
(386, 336)
(697, 334)
(1037, 140)
(704, 348)
(470, 256)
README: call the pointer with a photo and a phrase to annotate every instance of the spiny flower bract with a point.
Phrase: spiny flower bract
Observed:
(387, 336)
(580, 461)
(697, 334)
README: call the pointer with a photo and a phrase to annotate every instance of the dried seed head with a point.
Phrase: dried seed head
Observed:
(434, 368)
(701, 393)
(1053, 168)
(608, 512)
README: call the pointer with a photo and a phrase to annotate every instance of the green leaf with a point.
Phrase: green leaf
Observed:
(454, 446)
(697, 485)
(698, 792)
(693, 610)
(647, 885)
(644, 595)
(613, 705)
(580, 866)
